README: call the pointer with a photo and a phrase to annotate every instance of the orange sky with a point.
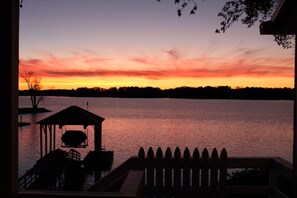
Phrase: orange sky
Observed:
(114, 44)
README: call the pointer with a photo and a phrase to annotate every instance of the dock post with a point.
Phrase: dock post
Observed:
(98, 138)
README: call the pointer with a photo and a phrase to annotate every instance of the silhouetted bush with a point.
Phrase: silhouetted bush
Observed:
(256, 177)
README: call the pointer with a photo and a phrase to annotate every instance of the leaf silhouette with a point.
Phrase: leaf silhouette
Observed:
(179, 12)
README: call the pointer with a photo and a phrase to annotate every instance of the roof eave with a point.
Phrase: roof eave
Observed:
(283, 20)
(272, 28)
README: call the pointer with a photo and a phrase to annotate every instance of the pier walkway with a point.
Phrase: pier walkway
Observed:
(50, 172)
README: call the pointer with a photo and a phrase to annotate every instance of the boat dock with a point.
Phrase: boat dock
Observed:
(61, 170)
(57, 169)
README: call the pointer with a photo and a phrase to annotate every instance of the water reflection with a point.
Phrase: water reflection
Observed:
(244, 128)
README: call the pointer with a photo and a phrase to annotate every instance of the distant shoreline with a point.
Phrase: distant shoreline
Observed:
(221, 92)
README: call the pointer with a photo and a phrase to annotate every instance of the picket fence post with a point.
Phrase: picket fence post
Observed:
(184, 175)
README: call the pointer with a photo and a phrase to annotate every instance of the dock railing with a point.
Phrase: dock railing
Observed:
(51, 167)
(183, 175)
(73, 154)
(52, 164)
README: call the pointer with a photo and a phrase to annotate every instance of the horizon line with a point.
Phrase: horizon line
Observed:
(221, 86)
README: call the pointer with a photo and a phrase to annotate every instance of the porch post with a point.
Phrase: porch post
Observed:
(41, 128)
(98, 137)
(295, 126)
(9, 56)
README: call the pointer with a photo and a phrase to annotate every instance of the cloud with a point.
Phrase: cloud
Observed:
(142, 60)
(81, 65)
(173, 53)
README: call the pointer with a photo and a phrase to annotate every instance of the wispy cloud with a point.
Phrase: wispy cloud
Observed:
(174, 53)
(246, 63)
(142, 60)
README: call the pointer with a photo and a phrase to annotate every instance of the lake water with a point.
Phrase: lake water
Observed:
(243, 127)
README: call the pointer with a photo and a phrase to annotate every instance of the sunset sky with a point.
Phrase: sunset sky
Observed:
(113, 43)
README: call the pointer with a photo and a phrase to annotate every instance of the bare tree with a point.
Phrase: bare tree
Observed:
(34, 87)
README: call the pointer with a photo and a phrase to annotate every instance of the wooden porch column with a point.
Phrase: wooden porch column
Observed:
(295, 126)
(45, 140)
(9, 56)
(50, 139)
(54, 137)
(98, 137)
(40, 140)
(284, 22)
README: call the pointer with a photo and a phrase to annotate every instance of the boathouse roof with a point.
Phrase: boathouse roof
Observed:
(72, 115)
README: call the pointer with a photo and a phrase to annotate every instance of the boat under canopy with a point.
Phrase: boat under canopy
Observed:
(74, 138)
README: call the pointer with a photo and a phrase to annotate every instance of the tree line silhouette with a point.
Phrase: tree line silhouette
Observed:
(208, 92)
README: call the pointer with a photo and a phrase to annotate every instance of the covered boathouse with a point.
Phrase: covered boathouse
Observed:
(52, 169)
(73, 115)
